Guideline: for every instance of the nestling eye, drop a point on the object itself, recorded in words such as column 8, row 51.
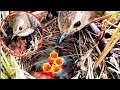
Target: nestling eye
column 77, row 24
column 20, row 28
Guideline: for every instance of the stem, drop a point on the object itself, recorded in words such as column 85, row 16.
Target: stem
column 111, row 42
column 4, row 57
column 12, row 58
column 4, row 76
column 102, row 56
column 6, row 67
column 112, row 38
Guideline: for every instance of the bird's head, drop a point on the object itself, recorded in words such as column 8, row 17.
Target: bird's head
column 70, row 22
column 21, row 25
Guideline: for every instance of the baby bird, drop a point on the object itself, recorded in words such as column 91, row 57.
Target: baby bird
column 22, row 24
column 70, row 22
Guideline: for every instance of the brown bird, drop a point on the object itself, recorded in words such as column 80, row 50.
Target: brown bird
column 70, row 22
column 23, row 24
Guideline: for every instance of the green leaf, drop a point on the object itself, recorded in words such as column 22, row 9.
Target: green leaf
column 4, row 76
column 12, row 58
column 6, row 67
column 3, row 69
column 4, row 57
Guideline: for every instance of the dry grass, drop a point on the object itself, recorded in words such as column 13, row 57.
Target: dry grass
column 81, row 47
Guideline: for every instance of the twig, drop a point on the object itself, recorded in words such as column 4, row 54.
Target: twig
column 72, row 55
column 112, row 24
column 114, row 70
column 111, row 73
column 105, row 51
column 84, row 38
column 49, row 22
column 76, row 76
column 76, row 50
column 28, row 75
column 111, row 64
column 90, row 74
column 101, row 72
column 101, row 18
column 80, row 45
column 92, row 67
column 94, row 43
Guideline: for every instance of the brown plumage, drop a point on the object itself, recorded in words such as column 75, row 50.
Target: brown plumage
column 21, row 24
column 67, row 20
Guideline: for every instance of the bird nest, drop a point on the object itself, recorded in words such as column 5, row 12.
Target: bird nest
column 79, row 47
column 74, row 47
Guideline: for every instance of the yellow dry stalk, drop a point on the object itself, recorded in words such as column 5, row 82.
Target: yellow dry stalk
column 113, row 40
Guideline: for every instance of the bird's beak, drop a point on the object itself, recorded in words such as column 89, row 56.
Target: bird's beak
column 63, row 36
column 14, row 35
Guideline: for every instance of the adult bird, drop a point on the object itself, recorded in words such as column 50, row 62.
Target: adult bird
column 70, row 22
column 23, row 24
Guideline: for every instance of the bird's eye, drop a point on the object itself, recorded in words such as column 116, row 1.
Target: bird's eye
column 77, row 24
column 20, row 28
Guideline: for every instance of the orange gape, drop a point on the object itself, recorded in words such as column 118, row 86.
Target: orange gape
column 56, row 69
column 51, row 70
column 47, row 67
column 59, row 61
column 55, row 64
column 54, row 54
